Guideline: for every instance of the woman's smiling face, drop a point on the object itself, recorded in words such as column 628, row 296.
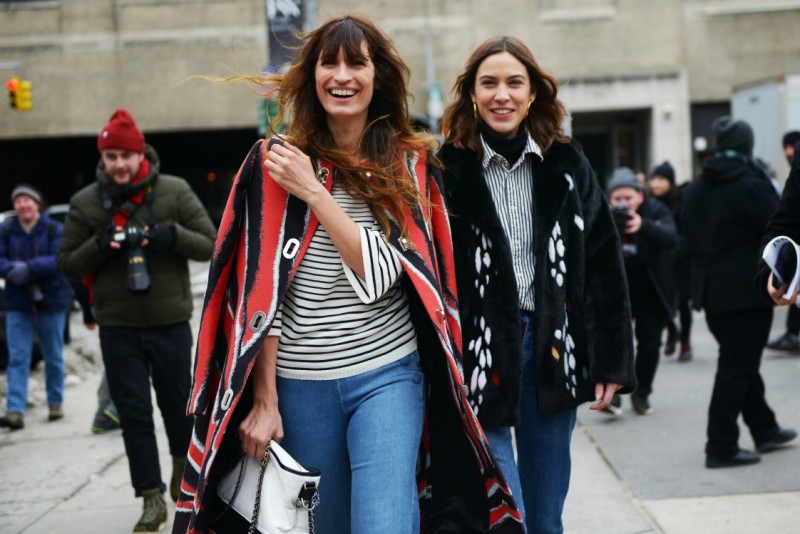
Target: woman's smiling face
column 502, row 94
column 345, row 86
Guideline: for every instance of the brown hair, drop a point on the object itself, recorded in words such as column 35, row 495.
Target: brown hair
column 543, row 122
column 388, row 133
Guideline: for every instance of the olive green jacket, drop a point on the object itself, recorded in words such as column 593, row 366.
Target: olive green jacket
column 172, row 202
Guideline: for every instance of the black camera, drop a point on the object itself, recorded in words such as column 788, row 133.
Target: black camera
column 131, row 240
column 621, row 215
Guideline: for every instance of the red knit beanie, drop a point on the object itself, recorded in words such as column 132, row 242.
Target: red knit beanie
column 121, row 133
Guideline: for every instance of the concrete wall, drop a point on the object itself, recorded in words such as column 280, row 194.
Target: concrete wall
column 86, row 57
column 727, row 43
column 664, row 94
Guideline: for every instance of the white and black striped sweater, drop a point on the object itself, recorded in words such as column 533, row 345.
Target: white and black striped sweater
column 332, row 323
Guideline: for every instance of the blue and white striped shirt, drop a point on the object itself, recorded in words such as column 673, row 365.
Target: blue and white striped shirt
column 512, row 193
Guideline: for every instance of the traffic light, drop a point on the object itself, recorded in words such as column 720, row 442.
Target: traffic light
column 20, row 93
column 13, row 86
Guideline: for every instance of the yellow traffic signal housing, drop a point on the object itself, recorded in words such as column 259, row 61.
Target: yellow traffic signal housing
column 25, row 95
column 20, row 93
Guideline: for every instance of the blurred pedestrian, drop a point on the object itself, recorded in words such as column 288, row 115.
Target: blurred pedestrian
column 357, row 303
column 724, row 214
column 641, row 177
column 37, row 299
column 789, row 340
column 785, row 221
column 130, row 235
column 541, row 283
column 663, row 188
column 106, row 417
column 649, row 239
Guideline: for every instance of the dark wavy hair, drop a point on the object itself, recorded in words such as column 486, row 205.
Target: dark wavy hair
column 388, row 134
column 543, row 122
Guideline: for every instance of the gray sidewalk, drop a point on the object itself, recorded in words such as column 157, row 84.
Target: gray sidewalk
column 654, row 465
column 631, row 474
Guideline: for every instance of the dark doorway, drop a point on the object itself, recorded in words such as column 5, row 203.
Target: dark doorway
column 596, row 148
column 208, row 160
column 614, row 139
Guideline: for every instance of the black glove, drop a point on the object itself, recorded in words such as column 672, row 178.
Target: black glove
column 104, row 239
column 161, row 238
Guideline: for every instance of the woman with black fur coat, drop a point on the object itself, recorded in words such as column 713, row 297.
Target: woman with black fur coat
column 542, row 294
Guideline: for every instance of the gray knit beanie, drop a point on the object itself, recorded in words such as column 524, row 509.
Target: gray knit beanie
column 623, row 177
column 27, row 190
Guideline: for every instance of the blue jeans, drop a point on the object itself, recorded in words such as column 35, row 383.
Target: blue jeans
column 20, row 327
column 543, row 451
column 363, row 433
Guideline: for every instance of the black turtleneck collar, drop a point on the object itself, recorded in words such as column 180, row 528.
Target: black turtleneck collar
column 511, row 149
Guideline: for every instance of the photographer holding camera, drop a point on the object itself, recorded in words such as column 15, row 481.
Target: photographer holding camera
column 129, row 236
column 649, row 239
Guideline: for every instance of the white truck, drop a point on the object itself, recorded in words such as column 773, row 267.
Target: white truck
column 772, row 107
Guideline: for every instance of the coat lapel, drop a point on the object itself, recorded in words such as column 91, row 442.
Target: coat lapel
column 419, row 258
column 467, row 193
column 551, row 187
column 262, row 240
column 278, row 229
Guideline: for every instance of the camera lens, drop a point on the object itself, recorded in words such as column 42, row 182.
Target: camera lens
column 138, row 279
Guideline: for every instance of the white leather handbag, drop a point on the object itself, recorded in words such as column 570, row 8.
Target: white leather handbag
column 277, row 494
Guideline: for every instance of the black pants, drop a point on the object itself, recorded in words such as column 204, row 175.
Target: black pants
column 738, row 387
column 685, row 315
column 131, row 355
column 684, row 330
column 684, row 297
column 793, row 320
column 650, row 319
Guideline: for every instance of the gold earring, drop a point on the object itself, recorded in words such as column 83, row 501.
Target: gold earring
column 529, row 107
column 475, row 111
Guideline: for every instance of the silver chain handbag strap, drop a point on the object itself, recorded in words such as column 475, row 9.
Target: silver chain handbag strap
column 309, row 504
column 257, row 505
column 309, row 499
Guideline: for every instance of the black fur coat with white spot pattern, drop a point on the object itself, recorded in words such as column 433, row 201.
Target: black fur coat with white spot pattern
column 582, row 329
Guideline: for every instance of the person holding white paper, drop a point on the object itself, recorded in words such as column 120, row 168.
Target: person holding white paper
column 725, row 211
column 785, row 222
column 789, row 341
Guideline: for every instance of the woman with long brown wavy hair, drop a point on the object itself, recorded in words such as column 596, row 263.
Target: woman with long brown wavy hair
column 332, row 290
column 541, row 283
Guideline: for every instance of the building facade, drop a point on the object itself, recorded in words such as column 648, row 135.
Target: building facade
column 641, row 80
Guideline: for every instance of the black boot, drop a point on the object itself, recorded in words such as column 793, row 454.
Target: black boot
column 12, row 421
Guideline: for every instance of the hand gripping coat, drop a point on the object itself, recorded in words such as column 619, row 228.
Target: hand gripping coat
column 262, row 238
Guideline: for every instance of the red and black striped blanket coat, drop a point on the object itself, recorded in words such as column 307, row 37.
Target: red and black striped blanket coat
column 262, row 238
